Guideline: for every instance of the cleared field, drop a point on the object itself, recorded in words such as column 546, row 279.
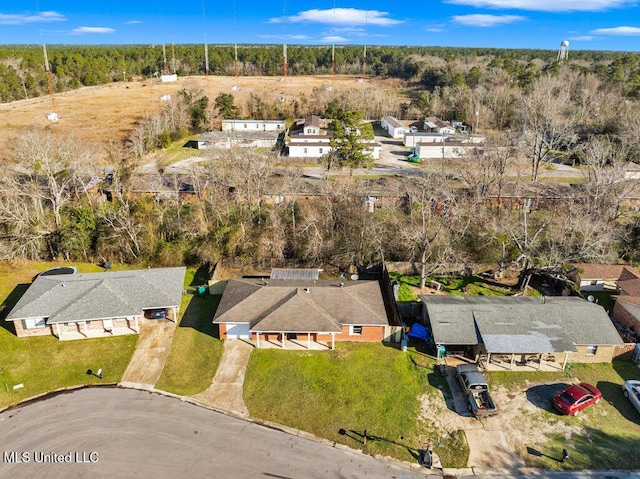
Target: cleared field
column 98, row 115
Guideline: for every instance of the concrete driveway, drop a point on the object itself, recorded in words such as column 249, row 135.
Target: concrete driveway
column 150, row 355
column 225, row 392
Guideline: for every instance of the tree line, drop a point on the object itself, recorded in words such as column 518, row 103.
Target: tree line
column 22, row 73
column 247, row 208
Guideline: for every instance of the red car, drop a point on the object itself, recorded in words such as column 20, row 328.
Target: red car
column 575, row 398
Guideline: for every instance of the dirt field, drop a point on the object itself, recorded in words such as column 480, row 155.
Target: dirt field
column 101, row 114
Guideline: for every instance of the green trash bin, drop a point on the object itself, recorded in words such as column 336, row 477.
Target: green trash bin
column 202, row 290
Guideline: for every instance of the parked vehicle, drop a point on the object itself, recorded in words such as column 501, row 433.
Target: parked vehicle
column 631, row 390
column 475, row 386
column 413, row 129
column 155, row 313
column 575, row 398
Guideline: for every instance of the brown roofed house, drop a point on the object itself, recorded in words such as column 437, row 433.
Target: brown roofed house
column 312, row 314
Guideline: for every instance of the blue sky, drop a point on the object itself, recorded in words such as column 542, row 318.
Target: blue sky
column 586, row 24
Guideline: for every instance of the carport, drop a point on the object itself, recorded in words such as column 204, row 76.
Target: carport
column 522, row 333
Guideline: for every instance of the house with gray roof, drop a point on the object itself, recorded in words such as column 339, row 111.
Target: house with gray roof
column 90, row 305
column 394, row 127
column 519, row 329
column 309, row 313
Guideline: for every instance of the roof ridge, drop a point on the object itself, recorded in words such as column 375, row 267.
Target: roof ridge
column 100, row 282
column 357, row 298
column 318, row 307
column 150, row 283
column 275, row 306
column 75, row 300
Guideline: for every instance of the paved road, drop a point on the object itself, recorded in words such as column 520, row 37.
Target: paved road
column 142, row 434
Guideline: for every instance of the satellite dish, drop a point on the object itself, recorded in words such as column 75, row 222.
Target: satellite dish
column 355, row 277
column 591, row 299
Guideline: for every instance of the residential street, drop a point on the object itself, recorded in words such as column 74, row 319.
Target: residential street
column 130, row 433
column 142, row 434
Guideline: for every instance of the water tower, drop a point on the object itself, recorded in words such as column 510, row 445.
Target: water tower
column 563, row 53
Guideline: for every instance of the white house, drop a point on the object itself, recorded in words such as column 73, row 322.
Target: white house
column 311, row 125
column 412, row 139
column 252, row 125
column 229, row 139
column 309, row 146
column 394, row 127
column 446, row 149
column 433, row 124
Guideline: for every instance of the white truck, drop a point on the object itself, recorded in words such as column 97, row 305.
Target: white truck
column 475, row 387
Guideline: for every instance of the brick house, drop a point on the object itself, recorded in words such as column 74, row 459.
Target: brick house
column 92, row 305
column 303, row 311
column 601, row 277
column 626, row 309
column 522, row 328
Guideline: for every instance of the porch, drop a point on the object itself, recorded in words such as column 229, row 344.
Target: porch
column 292, row 341
column 94, row 333
column 97, row 328
column 512, row 362
column 524, row 362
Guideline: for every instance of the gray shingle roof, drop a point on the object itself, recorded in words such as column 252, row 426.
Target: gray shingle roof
column 295, row 273
column 79, row 297
column 301, row 305
column 518, row 324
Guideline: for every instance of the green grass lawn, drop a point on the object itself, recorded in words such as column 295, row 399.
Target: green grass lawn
column 452, row 284
column 610, row 434
column 43, row 363
column 195, row 352
column 338, row 394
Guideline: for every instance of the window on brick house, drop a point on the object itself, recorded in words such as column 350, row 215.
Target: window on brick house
column 34, row 323
column 355, row 330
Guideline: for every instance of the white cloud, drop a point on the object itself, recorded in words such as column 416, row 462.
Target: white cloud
column 81, row 30
column 346, row 30
column 341, row 16
column 285, row 37
column 547, row 5
column 132, row 22
column 619, row 31
column 41, row 17
column 334, row 39
column 436, row 28
column 483, row 20
column 582, row 38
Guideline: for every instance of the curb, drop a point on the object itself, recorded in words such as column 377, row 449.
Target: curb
column 410, row 466
column 56, row 392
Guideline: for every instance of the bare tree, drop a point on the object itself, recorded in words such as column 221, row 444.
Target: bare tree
column 429, row 225
column 605, row 183
column 58, row 166
column 487, row 170
column 547, row 117
column 25, row 223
